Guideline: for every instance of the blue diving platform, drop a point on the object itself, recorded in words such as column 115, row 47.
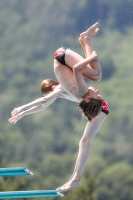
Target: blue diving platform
column 16, row 171
column 29, row 194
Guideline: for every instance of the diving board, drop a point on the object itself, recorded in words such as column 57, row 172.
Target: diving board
column 16, row 171
column 22, row 171
column 29, row 194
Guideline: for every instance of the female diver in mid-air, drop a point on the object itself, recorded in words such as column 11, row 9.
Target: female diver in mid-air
column 70, row 69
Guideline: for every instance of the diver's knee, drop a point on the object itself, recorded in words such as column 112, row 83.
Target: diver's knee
column 84, row 142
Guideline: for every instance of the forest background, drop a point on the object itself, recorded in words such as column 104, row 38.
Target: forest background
column 47, row 142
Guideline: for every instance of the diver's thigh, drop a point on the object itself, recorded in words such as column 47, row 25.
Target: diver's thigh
column 72, row 58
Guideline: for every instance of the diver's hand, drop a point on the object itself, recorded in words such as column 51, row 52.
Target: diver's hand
column 15, row 111
column 15, row 118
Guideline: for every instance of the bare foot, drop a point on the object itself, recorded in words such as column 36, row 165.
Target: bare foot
column 69, row 186
column 81, row 41
column 90, row 33
column 82, row 44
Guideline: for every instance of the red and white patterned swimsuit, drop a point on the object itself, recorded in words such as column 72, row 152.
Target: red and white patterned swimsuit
column 105, row 107
column 59, row 55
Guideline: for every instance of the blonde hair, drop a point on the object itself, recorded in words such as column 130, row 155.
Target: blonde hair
column 91, row 109
column 46, row 85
